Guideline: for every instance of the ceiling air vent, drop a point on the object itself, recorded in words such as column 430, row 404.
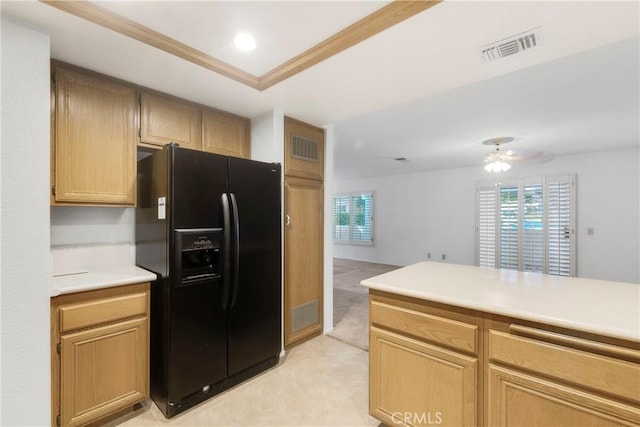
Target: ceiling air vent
column 512, row 45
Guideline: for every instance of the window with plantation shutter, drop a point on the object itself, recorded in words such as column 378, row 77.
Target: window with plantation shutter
column 560, row 226
column 508, row 232
column 527, row 225
column 341, row 218
column 532, row 228
column 353, row 219
column 486, row 226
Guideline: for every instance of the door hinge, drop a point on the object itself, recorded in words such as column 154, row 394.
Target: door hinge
column 58, row 420
column 53, row 190
column 59, row 348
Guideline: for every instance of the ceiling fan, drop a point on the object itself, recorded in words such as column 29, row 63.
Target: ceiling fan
column 500, row 161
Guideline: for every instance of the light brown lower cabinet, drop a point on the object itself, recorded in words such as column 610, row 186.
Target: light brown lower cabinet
column 424, row 364
column 403, row 391
column 431, row 364
column 100, row 353
column 536, row 379
column 520, row 399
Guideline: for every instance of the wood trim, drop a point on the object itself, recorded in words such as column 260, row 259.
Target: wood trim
column 576, row 343
column 105, row 18
column 369, row 26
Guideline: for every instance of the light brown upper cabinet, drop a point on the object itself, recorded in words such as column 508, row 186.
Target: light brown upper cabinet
column 94, row 140
column 164, row 120
column 224, row 133
column 303, row 150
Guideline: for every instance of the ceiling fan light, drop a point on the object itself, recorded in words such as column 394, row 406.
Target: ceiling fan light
column 497, row 166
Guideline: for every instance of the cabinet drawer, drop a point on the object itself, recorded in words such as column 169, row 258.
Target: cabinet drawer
column 605, row 374
column 92, row 313
column 440, row 330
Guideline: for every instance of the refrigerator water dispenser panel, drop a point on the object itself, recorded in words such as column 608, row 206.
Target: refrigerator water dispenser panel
column 198, row 254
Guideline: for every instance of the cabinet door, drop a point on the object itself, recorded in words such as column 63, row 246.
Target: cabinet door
column 95, row 140
column 226, row 134
column 103, row 370
column 517, row 399
column 413, row 383
column 303, row 263
column 164, row 120
column 303, row 150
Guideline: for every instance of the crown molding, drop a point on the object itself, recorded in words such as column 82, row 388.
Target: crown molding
column 382, row 19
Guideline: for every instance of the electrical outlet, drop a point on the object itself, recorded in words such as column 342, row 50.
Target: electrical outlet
column 444, row 256
column 590, row 231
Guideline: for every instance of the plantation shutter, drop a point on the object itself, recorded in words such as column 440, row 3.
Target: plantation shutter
column 353, row 219
column 527, row 225
column 361, row 218
column 341, row 218
column 509, row 227
column 486, row 226
column 560, row 235
column 532, row 227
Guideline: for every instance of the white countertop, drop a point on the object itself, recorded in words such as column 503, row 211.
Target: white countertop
column 601, row 307
column 103, row 277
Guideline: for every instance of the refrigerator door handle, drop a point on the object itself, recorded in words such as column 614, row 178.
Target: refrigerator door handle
column 226, row 248
column 236, row 248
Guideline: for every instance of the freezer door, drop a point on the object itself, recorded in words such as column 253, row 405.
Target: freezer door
column 198, row 181
column 197, row 321
column 254, row 313
column 198, row 338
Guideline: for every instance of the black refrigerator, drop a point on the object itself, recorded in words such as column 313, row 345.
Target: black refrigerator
column 209, row 226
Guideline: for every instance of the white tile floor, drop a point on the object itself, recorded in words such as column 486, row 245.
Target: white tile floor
column 322, row 382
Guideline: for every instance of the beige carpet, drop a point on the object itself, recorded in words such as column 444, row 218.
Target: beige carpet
column 350, row 300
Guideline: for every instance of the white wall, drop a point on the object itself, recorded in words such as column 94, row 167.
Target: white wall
column 24, row 224
column 76, row 225
column 328, row 232
column 434, row 212
column 267, row 137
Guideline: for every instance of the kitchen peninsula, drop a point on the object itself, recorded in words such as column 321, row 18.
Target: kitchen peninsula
column 463, row 345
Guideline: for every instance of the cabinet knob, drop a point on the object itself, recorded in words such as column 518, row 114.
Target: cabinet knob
column 287, row 220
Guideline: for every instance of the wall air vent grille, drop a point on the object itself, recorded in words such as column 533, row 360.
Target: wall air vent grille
column 304, row 315
column 512, row 45
column 304, row 149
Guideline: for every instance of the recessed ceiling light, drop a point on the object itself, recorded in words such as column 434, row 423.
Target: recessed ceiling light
column 244, row 42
